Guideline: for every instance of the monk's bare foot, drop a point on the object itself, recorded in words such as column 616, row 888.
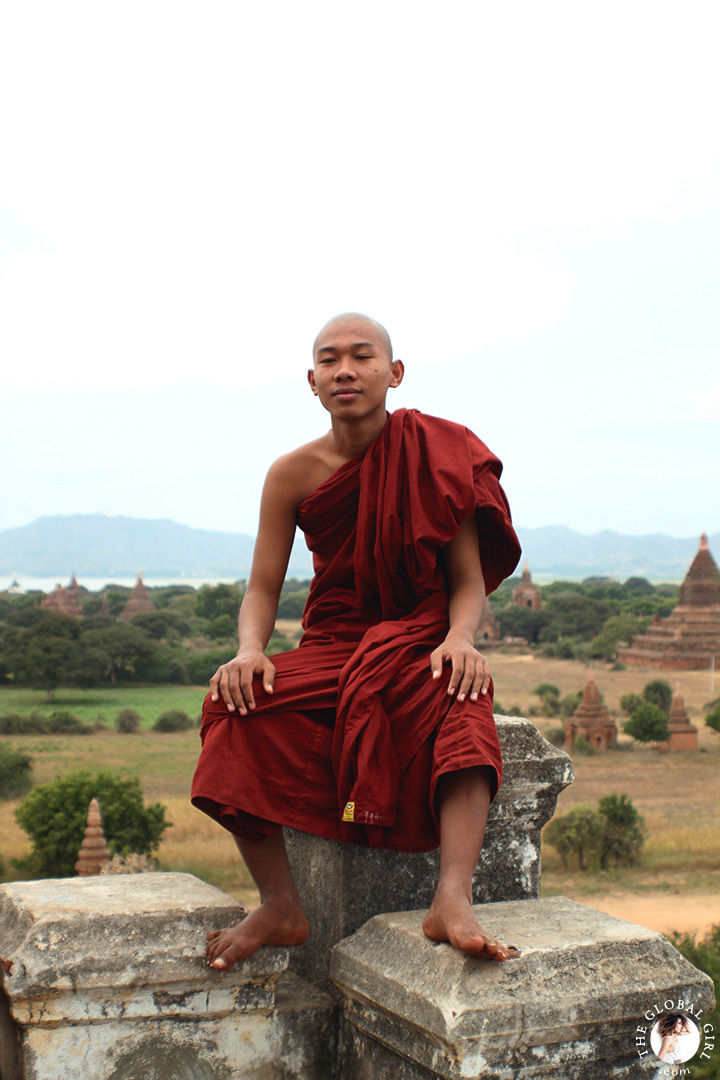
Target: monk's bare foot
column 451, row 918
column 276, row 922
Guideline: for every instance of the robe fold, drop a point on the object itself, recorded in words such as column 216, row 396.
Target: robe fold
column 352, row 742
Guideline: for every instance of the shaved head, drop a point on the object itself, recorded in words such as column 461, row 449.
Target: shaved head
column 354, row 317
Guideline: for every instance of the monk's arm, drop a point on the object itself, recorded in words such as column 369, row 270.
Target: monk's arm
column 466, row 586
column 276, row 531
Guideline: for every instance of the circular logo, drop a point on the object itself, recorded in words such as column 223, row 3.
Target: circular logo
column 675, row 1038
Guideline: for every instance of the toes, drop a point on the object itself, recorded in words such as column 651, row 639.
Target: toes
column 213, row 934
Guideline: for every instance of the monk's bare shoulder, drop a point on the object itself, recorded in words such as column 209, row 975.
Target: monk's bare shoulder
column 295, row 475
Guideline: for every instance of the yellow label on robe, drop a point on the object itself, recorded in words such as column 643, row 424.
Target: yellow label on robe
column 349, row 812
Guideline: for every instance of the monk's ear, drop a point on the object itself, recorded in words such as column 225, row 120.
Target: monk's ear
column 311, row 380
column 397, row 369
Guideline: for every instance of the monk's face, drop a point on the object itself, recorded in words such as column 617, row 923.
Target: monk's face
column 353, row 370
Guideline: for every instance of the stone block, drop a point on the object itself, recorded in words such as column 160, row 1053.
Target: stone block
column 567, row 1008
column 343, row 885
column 107, row 981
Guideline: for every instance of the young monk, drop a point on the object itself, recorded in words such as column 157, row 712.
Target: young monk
column 356, row 735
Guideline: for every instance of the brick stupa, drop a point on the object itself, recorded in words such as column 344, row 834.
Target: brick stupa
column 683, row 733
column 488, row 632
column 591, row 720
column 139, row 602
column 94, row 854
column 65, row 601
column 689, row 638
column 526, row 594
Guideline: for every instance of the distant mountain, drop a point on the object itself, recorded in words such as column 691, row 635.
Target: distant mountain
column 97, row 545
column 556, row 551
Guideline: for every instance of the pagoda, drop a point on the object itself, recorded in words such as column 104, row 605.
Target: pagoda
column 488, row 632
column 591, row 720
column 683, row 734
column 526, row 594
column 139, row 602
column 689, row 638
column 65, row 601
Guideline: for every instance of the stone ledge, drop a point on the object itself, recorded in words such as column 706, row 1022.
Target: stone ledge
column 86, row 947
column 109, row 982
column 568, row 1006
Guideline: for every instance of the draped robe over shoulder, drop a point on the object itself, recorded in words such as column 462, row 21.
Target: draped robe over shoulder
column 352, row 742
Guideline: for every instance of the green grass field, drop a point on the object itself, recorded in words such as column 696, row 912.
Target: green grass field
column 104, row 703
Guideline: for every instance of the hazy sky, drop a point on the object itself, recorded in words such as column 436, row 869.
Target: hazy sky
column 526, row 194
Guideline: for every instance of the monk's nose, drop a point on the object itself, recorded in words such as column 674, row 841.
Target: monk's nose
column 345, row 372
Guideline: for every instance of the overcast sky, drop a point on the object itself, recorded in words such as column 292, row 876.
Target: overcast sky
column 526, row 194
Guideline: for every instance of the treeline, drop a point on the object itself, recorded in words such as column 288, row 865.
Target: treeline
column 584, row 620
column 190, row 634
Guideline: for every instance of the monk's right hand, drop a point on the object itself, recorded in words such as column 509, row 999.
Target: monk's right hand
column 233, row 681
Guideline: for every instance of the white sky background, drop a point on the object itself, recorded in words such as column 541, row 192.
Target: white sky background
column 525, row 194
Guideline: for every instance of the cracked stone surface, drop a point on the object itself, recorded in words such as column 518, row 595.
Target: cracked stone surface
column 567, row 1007
column 108, row 981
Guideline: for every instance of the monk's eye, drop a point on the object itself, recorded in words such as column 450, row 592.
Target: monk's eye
column 362, row 356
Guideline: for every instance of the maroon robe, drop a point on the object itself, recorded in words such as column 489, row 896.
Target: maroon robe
column 353, row 740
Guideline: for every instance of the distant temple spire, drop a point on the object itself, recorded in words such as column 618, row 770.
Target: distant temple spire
column 591, row 719
column 689, row 638
column 139, row 602
column 526, row 594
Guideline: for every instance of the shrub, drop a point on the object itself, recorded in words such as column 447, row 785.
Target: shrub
column 648, row 724
column 623, row 831
column 59, row 723
column 15, row 773
column 127, row 721
column 658, row 692
column 630, row 702
column 579, row 832
column 173, row 720
column 54, row 816
column 712, row 720
column 556, row 736
column 569, row 704
column 615, row 831
column 65, row 723
column 549, row 695
column 582, row 746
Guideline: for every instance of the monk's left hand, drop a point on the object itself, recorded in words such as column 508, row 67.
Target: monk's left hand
column 470, row 673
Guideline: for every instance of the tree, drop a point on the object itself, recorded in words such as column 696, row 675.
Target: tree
column 54, row 816
column 648, row 724
column 571, row 614
column 549, row 695
column 125, row 648
column 46, row 654
column 579, row 832
column 658, row 692
column 712, row 720
column 630, row 702
column 517, row 621
column 214, row 600
column 623, row 833
column 15, row 772
column 639, row 585
column 617, row 628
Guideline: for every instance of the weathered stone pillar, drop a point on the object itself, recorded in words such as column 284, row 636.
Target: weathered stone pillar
column 106, row 980
column 343, row 885
column 568, row 1008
